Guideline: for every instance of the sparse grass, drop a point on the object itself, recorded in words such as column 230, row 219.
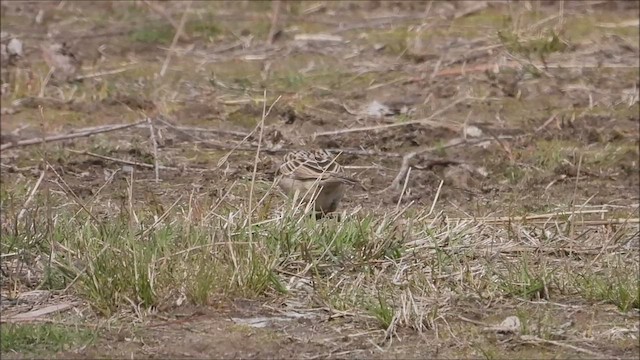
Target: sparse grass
column 523, row 280
column 394, row 40
column 382, row 311
column 203, row 28
column 154, row 33
column 214, row 256
column 618, row 285
column 580, row 28
column 42, row 338
column 539, row 48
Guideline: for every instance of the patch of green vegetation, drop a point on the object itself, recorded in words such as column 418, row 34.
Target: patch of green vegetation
column 129, row 11
column 203, row 157
column 495, row 18
column 620, row 112
column 382, row 311
column 394, row 40
column 293, row 81
column 202, row 27
column 54, row 118
column 243, row 119
column 258, row 28
column 585, row 26
column 39, row 338
column 515, row 174
column 538, row 48
column 548, row 154
column 612, row 154
column 226, row 72
column 618, row 285
column 154, row 33
column 517, row 112
column 525, row 280
column 487, row 351
column 440, row 148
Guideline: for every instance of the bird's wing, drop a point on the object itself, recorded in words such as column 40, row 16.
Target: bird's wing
column 304, row 165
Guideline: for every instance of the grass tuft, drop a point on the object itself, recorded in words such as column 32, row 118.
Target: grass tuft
column 40, row 338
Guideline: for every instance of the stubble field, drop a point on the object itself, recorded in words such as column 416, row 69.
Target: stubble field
column 498, row 143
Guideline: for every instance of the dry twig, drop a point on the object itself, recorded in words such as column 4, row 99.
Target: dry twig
column 536, row 340
column 155, row 150
column 103, row 73
column 40, row 140
column 157, row 9
column 275, row 17
column 179, row 31
column 122, row 161
column 31, row 195
column 215, row 131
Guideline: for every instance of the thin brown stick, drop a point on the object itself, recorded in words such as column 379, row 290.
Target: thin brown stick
column 534, row 339
column 381, row 21
column 559, row 250
column 135, row 163
column 546, row 123
column 541, row 216
column 276, row 6
column 36, row 314
column 404, row 169
column 31, row 195
column 215, row 131
column 168, row 17
column 103, row 73
column 174, row 42
column 265, row 113
column 97, row 193
column 156, row 165
column 462, row 70
column 53, row 138
column 67, row 189
column 160, row 219
column 198, row 138
column 404, row 188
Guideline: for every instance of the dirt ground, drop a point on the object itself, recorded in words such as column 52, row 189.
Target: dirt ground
column 512, row 120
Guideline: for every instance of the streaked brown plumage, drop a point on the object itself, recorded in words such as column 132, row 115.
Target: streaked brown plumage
column 314, row 174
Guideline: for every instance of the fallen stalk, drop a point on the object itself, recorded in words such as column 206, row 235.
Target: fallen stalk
column 41, row 140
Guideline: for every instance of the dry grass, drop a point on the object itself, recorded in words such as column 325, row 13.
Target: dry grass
column 145, row 191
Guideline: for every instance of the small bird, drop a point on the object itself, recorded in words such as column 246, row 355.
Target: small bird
column 60, row 57
column 314, row 175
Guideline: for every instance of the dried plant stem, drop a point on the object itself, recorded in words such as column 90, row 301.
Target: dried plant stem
column 103, row 73
column 174, row 42
column 275, row 16
column 534, row 339
column 31, row 195
column 154, row 143
column 215, row 131
column 265, row 113
column 41, row 140
column 135, row 163
column 404, row 188
column 159, row 10
column 122, row 161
